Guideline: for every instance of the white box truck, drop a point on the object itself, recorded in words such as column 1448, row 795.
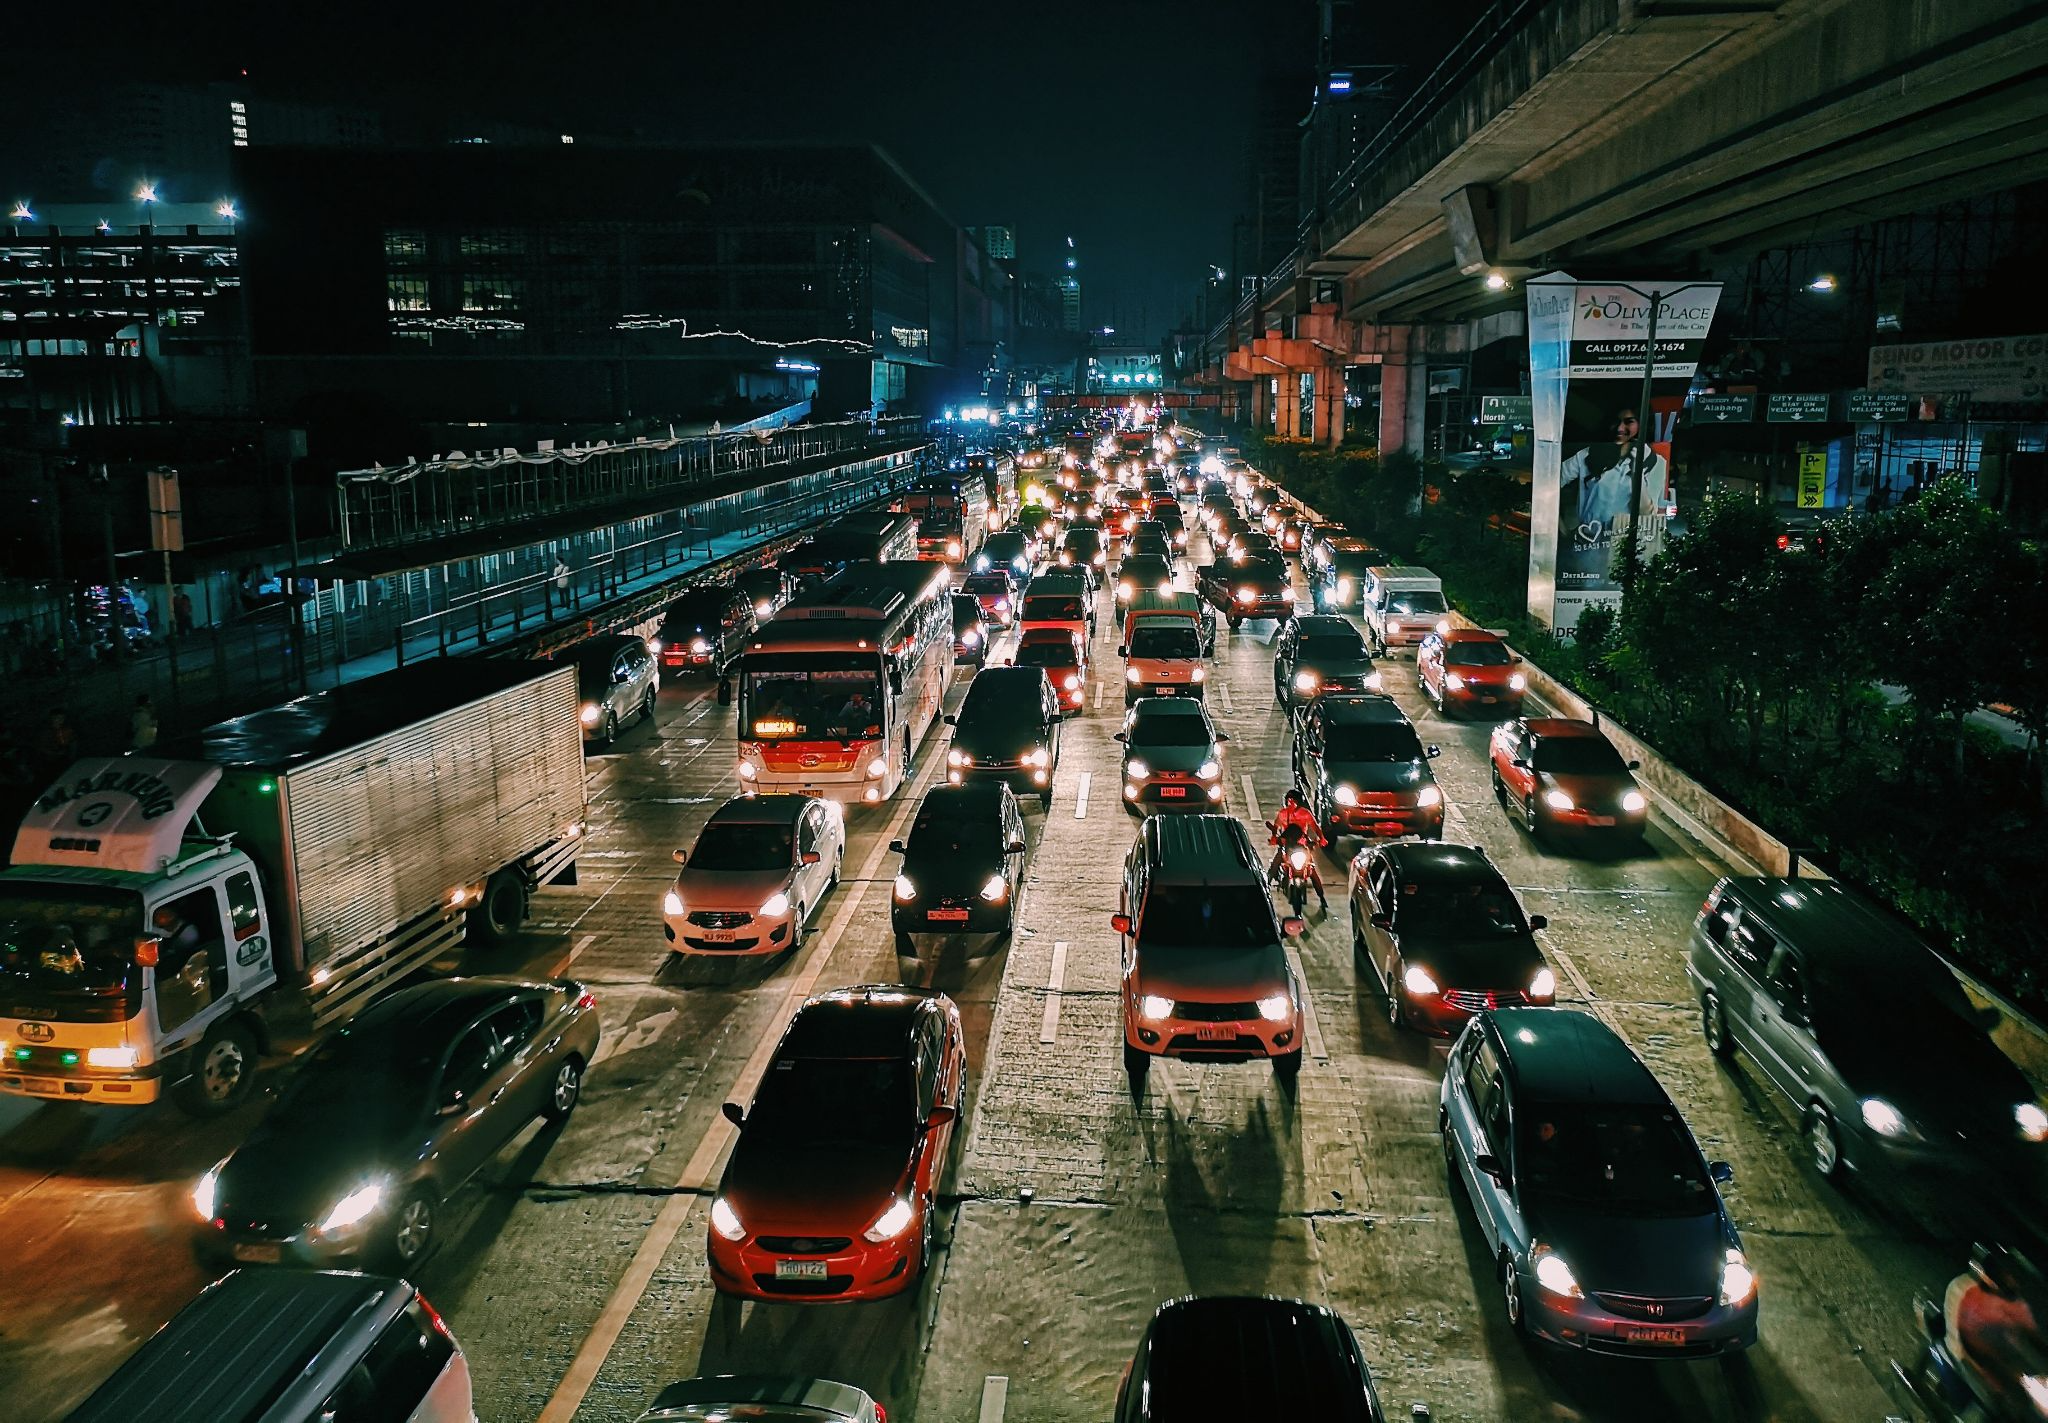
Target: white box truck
column 164, row 912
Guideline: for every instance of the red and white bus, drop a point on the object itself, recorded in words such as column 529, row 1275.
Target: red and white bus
column 838, row 689
column 952, row 514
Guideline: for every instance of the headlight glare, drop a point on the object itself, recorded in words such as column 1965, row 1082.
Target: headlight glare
column 1208, row 771
column 1557, row 800
column 1136, row 769
column 904, row 888
column 1454, row 682
column 1429, row 797
column 1634, row 803
column 1345, row 795
column 995, row 889
column 1275, row 1008
column 777, row 903
column 879, row 766
column 672, row 905
column 1305, row 681
column 2032, row 1121
column 1738, row 1281
column 1554, row 1275
column 1131, row 674
column 353, row 1208
column 1417, row 980
column 726, row 1221
column 891, row 1222
column 1154, row 1009
column 206, row 1193
column 1517, row 682
column 1885, row 1119
column 1543, row 985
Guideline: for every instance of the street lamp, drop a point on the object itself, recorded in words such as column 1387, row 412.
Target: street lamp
column 145, row 193
column 1825, row 282
column 21, row 211
column 226, row 211
column 1495, row 282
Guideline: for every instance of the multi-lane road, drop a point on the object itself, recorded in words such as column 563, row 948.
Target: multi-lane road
column 574, row 1272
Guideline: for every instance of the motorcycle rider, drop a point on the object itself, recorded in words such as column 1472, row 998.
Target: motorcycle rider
column 1994, row 1330
column 1296, row 823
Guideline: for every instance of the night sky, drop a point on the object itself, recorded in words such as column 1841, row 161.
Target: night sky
column 1126, row 123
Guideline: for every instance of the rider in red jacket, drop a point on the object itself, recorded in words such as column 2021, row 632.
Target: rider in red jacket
column 1295, row 822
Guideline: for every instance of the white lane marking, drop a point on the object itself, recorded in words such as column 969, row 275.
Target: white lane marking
column 995, row 1398
column 1223, row 696
column 1251, row 799
column 696, row 1178
column 645, row 1033
column 1049, row 1030
column 1571, row 970
column 575, row 952
column 1101, row 686
column 1312, row 1027
column 1081, row 795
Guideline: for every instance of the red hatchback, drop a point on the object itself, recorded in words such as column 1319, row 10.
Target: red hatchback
column 1469, row 669
column 1556, row 774
column 828, row 1195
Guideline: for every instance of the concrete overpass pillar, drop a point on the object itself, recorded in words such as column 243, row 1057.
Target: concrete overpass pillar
column 1330, row 405
column 1404, row 402
column 1289, row 423
column 1262, row 404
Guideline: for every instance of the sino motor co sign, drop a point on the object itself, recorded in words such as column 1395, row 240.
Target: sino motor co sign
column 1995, row 368
column 1611, row 328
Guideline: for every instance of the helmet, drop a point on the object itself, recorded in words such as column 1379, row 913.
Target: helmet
column 1294, row 797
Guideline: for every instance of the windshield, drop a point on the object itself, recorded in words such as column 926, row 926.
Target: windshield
column 806, row 1101
column 1578, row 756
column 1234, row 916
column 1083, row 541
column 1415, row 602
column 1476, row 654
column 70, row 941
column 1333, row 648
column 357, row 1083
column 1372, row 741
column 1460, row 911
column 1169, row 731
column 953, row 830
column 1145, row 568
column 743, row 847
column 1048, row 654
column 1353, row 565
column 1610, row 1156
column 994, row 583
column 1165, row 637
column 1053, row 607
column 822, row 699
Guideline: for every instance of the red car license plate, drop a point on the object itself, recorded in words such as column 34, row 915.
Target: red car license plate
column 1216, row 1032
column 1173, row 792
column 800, row 1269
column 946, row 916
column 1645, row 1335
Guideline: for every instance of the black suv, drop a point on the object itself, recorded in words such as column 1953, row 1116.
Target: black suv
column 962, row 865
column 1008, row 730
column 707, row 628
column 1246, row 1357
column 1320, row 654
column 1364, row 770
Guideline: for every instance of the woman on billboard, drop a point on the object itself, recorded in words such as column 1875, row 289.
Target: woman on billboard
column 1593, row 505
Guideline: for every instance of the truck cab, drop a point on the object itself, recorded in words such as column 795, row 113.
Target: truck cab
column 133, row 947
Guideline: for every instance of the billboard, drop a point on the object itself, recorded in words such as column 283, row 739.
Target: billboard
column 1994, row 368
column 1599, row 468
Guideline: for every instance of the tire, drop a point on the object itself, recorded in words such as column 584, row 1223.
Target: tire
column 1136, row 1063
column 1500, row 787
column 796, row 932
column 565, row 1091
column 838, row 863
column 1714, row 1027
column 1823, row 1142
column 647, row 706
column 1287, row 1066
column 1397, row 1011
column 413, row 1232
column 1529, row 814
column 610, row 735
column 223, row 1071
column 499, row 911
column 1511, row 1295
column 1297, row 897
column 1045, row 799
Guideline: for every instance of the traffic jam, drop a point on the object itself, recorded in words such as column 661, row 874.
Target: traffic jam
column 1091, row 900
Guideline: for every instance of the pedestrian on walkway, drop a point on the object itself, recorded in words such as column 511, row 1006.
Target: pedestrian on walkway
column 559, row 584
column 181, row 613
column 142, row 724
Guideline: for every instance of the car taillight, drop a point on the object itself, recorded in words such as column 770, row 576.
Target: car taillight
column 881, row 1414
column 434, row 1318
column 588, row 1000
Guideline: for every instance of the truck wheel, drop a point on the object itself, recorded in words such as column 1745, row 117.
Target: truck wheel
column 223, row 1071
column 500, row 912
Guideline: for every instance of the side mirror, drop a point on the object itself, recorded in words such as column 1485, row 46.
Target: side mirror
column 1514, row 661
column 1121, row 923
column 1221, row 737
column 1520, row 763
column 1383, row 921
column 1123, row 649
column 1292, row 927
column 1721, row 1171
column 1538, row 921
column 941, row 1116
column 896, row 847
column 812, row 857
column 1015, row 847
column 1487, row 1164
column 735, row 1113
column 453, row 1104
column 1118, row 737
column 951, row 720
column 1635, row 765
column 1433, row 751
column 1990, row 1017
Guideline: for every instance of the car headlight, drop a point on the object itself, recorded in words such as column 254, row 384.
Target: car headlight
column 1738, row 1281
column 1345, row 795
column 879, row 766
column 1453, row 681
column 1885, row 1119
column 1275, row 1008
column 959, row 758
column 672, row 905
column 776, row 903
column 904, row 888
column 2031, row 1120
column 1124, row 590
column 1429, row 797
column 1208, row 771
column 891, row 1222
column 995, row 889
column 591, row 713
column 1155, row 1009
column 726, row 1221
column 353, row 1208
column 1443, row 624
column 1131, row 674
column 1416, row 979
column 970, row 638
column 1038, row 756
column 1344, row 588
column 206, row 1193
column 1305, row 681
column 763, row 608
column 952, row 548
column 116, row 1057
column 1634, row 803
column 1517, row 682
column 1554, row 1275
column 1244, row 595
column 1100, row 559
column 1073, row 682
column 1543, row 985
column 1557, row 800
column 1136, row 769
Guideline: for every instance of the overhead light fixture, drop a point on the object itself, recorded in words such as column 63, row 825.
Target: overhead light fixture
column 1495, row 282
column 1822, row 283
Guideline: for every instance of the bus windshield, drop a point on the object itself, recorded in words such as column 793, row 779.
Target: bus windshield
column 69, row 944
column 825, row 697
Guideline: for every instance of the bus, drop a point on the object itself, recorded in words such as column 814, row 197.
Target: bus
column 998, row 473
column 952, row 513
column 837, row 690
column 888, row 537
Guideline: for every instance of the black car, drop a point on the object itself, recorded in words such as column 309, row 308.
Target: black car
column 1142, row 573
column 970, row 630
column 1245, row 1357
column 390, row 1114
column 767, row 588
column 1008, row 730
column 1083, row 547
column 962, row 865
column 1319, row 655
column 708, row 627
column 1364, row 770
column 1445, row 934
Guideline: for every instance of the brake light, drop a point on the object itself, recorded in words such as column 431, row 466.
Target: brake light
column 434, row 1318
column 1784, row 541
column 588, row 1000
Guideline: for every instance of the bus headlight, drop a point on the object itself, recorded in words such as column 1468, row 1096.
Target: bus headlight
column 879, row 766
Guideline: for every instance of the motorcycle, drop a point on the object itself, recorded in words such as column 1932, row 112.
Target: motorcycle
column 1296, row 867
column 1986, row 1357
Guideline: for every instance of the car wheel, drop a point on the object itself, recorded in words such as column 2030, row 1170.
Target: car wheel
column 1823, row 1143
column 796, row 931
column 647, row 707
column 1511, row 1293
column 1714, row 1027
column 565, row 1091
column 1500, row 787
column 1136, row 1063
column 838, row 863
column 1529, row 813
column 611, row 727
column 499, row 911
column 223, row 1071
column 1045, row 799
column 413, row 1228
column 1451, row 1172
column 1397, row 1011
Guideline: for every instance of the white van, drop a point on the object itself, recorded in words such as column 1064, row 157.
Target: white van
column 293, row 1346
column 1403, row 604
